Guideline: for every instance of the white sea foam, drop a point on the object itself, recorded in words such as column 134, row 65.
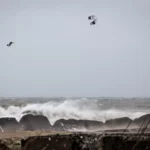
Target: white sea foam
column 75, row 109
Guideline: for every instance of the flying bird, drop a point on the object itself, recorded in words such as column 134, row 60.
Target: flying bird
column 10, row 43
column 93, row 18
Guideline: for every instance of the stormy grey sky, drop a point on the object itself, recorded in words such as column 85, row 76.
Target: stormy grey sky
column 57, row 52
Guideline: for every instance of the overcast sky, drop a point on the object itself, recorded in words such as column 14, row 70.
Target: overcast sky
column 58, row 53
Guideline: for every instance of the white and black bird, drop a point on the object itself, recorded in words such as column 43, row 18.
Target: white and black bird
column 10, row 43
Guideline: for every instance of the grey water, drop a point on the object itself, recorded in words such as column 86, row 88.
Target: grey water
column 90, row 108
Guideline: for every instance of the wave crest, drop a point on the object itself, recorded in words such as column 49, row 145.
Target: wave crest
column 75, row 109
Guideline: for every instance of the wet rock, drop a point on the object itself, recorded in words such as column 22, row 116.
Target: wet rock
column 3, row 146
column 76, row 125
column 8, row 124
column 46, row 143
column 31, row 122
column 62, row 142
column 10, row 144
column 129, row 142
column 87, row 142
column 143, row 121
column 62, row 124
column 118, row 123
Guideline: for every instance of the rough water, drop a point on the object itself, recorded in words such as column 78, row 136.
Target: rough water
column 96, row 108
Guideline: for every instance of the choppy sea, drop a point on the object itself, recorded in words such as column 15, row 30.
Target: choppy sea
column 93, row 108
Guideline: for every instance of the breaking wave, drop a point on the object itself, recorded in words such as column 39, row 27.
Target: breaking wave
column 75, row 109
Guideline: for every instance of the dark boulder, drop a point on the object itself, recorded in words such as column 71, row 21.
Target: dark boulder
column 10, row 144
column 3, row 146
column 118, row 123
column 62, row 124
column 31, row 122
column 76, row 125
column 62, row 142
column 86, row 142
column 143, row 121
column 8, row 124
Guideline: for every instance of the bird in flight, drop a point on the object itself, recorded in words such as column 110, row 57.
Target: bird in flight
column 93, row 19
column 10, row 43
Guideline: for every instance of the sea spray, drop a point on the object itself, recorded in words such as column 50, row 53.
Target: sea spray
column 83, row 108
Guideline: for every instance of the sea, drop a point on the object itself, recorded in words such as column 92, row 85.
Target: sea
column 89, row 108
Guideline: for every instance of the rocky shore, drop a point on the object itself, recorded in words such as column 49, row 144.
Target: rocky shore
column 31, row 122
column 37, row 133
